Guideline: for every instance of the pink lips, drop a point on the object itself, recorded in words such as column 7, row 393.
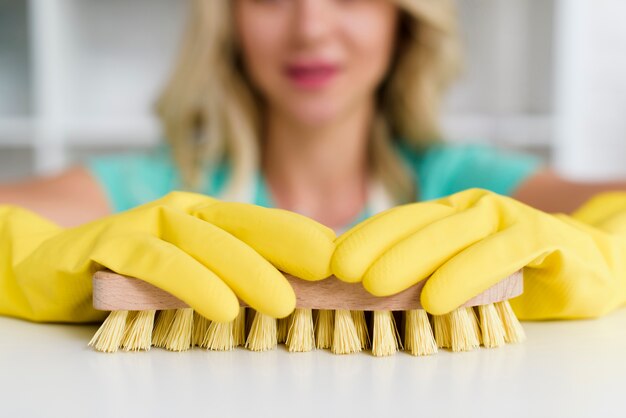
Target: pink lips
column 312, row 75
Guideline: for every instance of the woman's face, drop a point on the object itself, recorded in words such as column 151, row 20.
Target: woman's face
column 316, row 60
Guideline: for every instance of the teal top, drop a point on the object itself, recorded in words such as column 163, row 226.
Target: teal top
column 131, row 179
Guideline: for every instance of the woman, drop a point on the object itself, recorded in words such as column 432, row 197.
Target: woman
column 323, row 107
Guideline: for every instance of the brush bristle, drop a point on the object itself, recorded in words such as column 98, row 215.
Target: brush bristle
column 138, row 333
column 342, row 331
column 324, row 328
column 441, row 328
column 162, row 326
column 262, row 335
column 109, row 336
column 418, row 334
column 345, row 336
column 239, row 328
column 179, row 335
column 282, row 328
column 384, row 341
column 200, row 328
column 219, row 336
column 358, row 317
column 493, row 332
column 462, row 331
column 301, row 337
column 130, row 318
column 513, row 331
column 471, row 312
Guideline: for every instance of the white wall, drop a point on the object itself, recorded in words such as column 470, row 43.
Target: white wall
column 505, row 94
column 590, row 133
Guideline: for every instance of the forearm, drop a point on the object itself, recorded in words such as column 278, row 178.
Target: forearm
column 69, row 199
column 550, row 193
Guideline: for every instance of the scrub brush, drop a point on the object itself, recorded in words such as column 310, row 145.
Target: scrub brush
column 330, row 314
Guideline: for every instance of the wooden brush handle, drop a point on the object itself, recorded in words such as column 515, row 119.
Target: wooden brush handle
column 114, row 292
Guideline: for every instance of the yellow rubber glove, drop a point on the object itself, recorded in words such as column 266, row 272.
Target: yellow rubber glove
column 574, row 266
column 201, row 250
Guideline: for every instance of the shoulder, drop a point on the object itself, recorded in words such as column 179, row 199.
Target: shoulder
column 132, row 178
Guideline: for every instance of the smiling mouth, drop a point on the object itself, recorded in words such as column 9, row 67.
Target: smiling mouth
column 311, row 76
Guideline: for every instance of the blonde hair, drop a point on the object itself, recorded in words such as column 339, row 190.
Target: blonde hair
column 210, row 113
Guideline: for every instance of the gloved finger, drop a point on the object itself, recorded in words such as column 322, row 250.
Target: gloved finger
column 374, row 218
column 184, row 201
column 480, row 266
column 165, row 266
column 292, row 242
column 28, row 223
column 363, row 245
column 243, row 269
column 601, row 208
column 417, row 256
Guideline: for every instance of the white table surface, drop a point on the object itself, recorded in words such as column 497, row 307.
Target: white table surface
column 565, row 368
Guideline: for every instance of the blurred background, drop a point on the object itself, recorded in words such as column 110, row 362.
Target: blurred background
column 78, row 77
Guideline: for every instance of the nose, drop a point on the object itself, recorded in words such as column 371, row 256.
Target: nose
column 312, row 20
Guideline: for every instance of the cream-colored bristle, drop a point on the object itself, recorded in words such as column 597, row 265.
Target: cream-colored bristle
column 472, row 315
column 441, row 328
column 418, row 335
column 345, row 336
column 361, row 328
column 324, row 328
column 493, row 332
column 219, row 336
column 108, row 338
column 262, row 333
column 162, row 327
column 282, row 328
column 513, row 330
column 200, row 328
column 239, row 328
column 462, row 332
column 138, row 333
column 179, row 335
column 384, row 340
column 300, row 337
